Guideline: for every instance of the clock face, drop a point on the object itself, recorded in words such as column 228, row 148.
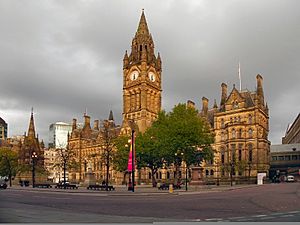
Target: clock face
column 151, row 76
column 134, row 75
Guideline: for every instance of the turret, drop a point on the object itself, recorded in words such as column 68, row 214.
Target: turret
column 204, row 106
column 158, row 62
column 87, row 122
column 74, row 124
column 215, row 106
column 223, row 96
column 190, row 104
column 111, row 116
column 125, row 60
column 259, row 88
column 96, row 124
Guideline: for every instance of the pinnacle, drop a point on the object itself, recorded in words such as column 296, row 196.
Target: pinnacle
column 143, row 27
column 110, row 117
column 31, row 129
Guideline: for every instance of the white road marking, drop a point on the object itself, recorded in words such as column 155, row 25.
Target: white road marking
column 214, row 219
column 267, row 217
column 294, row 212
column 234, row 218
column 257, row 216
column 286, row 215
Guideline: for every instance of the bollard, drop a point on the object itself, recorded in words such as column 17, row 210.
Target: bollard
column 171, row 188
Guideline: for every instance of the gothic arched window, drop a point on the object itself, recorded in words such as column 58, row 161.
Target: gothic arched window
column 233, row 133
column 240, row 133
column 222, row 123
column 250, row 149
column 250, row 133
column 250, row 119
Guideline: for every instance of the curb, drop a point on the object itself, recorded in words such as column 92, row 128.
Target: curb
column 124, row 193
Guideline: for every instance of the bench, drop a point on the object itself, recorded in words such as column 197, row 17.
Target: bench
column 100, row 187
column 166, row 186
column 42, row 186
column 66, row 186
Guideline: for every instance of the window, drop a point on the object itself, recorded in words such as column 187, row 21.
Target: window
column 250, row 152
column 206, row 173
column 222, row 123
column 160, row 175
column 250, row 133
column 250, row 119
column 222, row 136
column 168, row 175
column 274, row 158
column 222, row 158
column 240, row 133
column 294, row 157
column 280, row 158
column 287, row 157
column 240, row 154
column 233, row 133
column 211, row 172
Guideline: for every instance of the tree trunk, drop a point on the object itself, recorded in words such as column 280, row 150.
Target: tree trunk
column 64, row 174
column 9, row 176
column 153, row 172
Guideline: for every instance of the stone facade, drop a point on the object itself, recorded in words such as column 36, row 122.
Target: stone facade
column 88, row 148
column 3, row 130
column 241, row 127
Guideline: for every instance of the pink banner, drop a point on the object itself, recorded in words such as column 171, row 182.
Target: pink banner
column 129, row 166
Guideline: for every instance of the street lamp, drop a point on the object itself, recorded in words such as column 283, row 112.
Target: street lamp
column 186, row 169
column 249, row 167
column 132, row 146
column 34, row 157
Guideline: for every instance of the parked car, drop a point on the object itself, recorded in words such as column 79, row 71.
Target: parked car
column 3, row 184
column 290, row 178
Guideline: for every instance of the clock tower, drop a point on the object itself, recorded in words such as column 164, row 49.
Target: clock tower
column 141, row 80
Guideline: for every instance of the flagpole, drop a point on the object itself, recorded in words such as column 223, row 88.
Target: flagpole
column 239, row 73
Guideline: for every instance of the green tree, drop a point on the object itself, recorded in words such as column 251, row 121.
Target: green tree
column 8, row 163
column 148, row 153
column 180, row 135
column 120, row 159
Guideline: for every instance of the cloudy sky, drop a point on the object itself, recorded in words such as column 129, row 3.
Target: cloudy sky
column 64, row 56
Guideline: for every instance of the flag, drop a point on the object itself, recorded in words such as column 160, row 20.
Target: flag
column 129, row 165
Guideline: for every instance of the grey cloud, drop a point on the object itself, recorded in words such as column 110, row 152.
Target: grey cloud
column 64, row 56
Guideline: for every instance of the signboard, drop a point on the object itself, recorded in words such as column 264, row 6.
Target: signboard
column 260, row 177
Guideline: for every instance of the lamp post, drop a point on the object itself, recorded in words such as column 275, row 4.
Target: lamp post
column 249, row 167
column 33, row 157
column 133, row 166
column 186, row 169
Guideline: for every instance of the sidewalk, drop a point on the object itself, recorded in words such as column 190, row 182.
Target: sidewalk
column 139, row 190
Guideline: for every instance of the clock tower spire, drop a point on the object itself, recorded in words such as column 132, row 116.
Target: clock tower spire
column 141, row 80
